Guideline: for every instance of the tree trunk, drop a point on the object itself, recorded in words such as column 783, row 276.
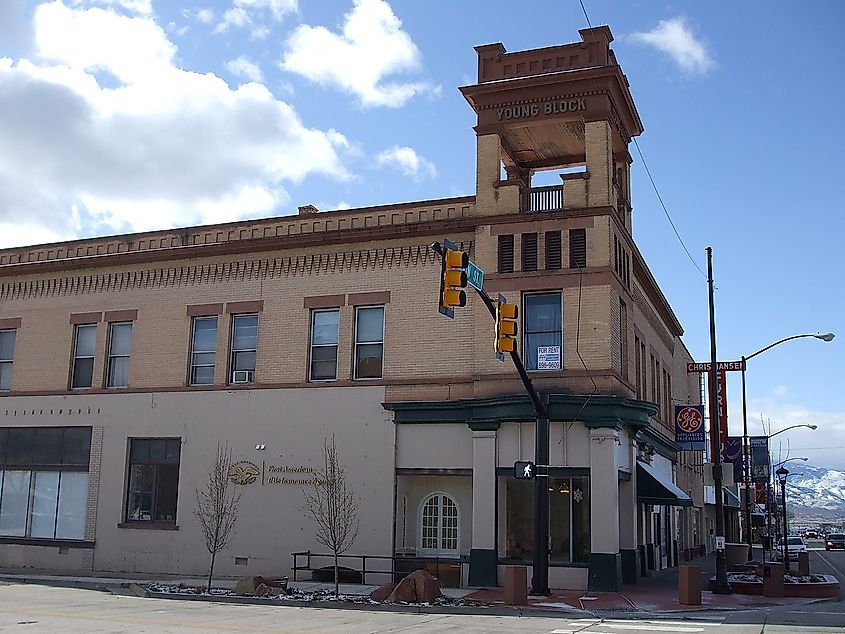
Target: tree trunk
column 211, row 571
column 336, row 581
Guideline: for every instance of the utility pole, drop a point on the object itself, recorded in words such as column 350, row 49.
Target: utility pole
column 722, row 586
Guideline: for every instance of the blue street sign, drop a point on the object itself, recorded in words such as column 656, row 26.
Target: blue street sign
column 475, row 276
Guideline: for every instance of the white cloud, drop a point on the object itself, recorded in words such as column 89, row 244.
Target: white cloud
column 675, row 38
column 371, row 47
column 102, row 132
column 251, row 14
column 408, row 161
column 140, row 7
column 206, row 15
column 245, row 68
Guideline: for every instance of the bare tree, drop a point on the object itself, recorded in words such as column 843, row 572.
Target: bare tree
column 217, row 506
column 333, row 506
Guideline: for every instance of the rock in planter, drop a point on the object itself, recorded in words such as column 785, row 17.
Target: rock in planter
column 418, row 587
column 381, row 593
column 251, row 585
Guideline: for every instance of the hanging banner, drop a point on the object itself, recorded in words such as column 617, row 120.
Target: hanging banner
column 760, row 488
column 689, row 427
column 732, row 454
column 760, row 467
column 722, row 409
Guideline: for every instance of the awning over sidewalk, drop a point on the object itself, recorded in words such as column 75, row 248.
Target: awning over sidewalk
column 655, row 488
column 731, row 500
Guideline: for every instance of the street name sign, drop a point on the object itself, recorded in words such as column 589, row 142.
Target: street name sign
column 724, row 366
column 475, row 276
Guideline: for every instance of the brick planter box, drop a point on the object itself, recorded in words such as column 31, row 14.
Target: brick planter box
column 817, row 590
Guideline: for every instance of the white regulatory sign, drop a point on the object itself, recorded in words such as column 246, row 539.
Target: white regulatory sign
column 720, row 543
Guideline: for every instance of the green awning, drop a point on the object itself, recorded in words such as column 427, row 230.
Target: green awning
column 655, row 488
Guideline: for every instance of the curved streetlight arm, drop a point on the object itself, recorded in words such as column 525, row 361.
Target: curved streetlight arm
column 813, row 427
column 828, row 336
column 783, row 462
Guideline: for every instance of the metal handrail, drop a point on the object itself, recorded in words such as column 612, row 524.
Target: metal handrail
column 461, row 561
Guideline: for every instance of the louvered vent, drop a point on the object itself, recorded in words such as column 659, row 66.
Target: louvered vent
column 529, row 251
column 553, row 259
column 506, row 254
column 577, row 248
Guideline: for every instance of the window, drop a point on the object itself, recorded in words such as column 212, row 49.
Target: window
column 203, row 350
column 529, row 251
column 120, row 345
column 506, row 254
column 637, row 368
column 244, row 345
column 44, row 481
column 369, row 342
column 543, row 325
column 553, row 259
column 623, row 338
column 153, row 479
column 569, row 519
column 325, row 327
column 84, row 344
column 439, row 525
column 7, row 356
column 577, row 248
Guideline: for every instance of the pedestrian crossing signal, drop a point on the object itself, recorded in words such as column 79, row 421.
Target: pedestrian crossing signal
column 524, row 470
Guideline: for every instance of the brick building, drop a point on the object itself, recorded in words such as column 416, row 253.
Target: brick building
column 124, row 360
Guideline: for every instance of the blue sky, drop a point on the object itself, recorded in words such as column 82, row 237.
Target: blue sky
column 124, row 115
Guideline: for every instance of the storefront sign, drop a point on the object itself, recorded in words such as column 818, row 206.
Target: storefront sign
column 245, row 472
column 722, row 409
column 526, row 111
column 760, row 467
column 689, row 427
column 548, row 357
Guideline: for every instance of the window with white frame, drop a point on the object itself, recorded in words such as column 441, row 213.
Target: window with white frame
column 325, row 327
column 543, row 325
column 439, row 527
column 243, row 348
column 84, row 346
column 203, row 350
column 369, row 342
column 120, row 346
column 7, row 357
column 44, row 481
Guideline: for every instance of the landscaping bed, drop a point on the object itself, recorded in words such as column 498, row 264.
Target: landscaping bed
column 807, row 587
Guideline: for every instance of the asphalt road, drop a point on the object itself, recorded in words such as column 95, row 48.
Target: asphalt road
column 36, row 609
column 31, row 609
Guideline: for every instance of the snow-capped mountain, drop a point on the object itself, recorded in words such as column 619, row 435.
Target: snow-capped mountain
column 815, row 492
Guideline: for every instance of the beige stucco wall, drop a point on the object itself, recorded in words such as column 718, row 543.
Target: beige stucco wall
column 291, row 423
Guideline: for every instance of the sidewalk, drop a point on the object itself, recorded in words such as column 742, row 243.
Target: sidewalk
column 657, row 593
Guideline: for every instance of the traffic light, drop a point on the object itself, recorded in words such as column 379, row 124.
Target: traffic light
column 453, row 279
column 506, row 315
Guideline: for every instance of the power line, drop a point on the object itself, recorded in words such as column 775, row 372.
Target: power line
column 666, row 211
column 585, row 14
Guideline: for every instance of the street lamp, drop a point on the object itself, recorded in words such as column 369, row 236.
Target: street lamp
column 746, row 458
column 769, row 475
column 782, row 473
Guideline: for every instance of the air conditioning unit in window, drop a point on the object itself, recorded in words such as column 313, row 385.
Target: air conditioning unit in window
column 242, row 376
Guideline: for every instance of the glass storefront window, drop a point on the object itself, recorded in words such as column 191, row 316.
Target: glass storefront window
column 569, row 519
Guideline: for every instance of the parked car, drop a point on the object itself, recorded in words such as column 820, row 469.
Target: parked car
column 834, row 540
column 794, row 545
column 812, row 535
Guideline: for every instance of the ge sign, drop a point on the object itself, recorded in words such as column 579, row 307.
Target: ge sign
column 524, row 470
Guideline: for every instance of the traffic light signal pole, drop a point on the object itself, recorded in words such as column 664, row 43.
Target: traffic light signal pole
column 540, row 580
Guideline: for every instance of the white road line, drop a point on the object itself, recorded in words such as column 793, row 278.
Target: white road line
column 651, row 627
